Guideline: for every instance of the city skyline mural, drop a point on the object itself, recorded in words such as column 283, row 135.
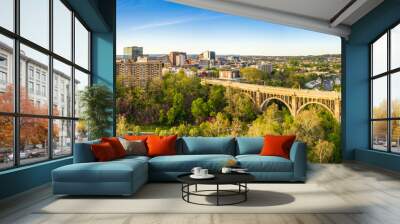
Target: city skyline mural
column 193, row 72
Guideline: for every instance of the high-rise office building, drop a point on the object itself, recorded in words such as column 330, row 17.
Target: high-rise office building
column 180, row 59
column 207, row 55
column 174, row 56
column 229, row 74
column 133, row 52
column 265, row 67
column 138, row 74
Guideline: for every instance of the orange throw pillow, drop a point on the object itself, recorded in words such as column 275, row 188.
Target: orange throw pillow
column 161, row 145
column 103, row 152
column 277, row 145
column 136, row 137
column 116, row 145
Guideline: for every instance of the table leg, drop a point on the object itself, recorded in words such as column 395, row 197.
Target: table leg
column 217, row 194
column 182, row 189
column 245, row 193
column 188, row 190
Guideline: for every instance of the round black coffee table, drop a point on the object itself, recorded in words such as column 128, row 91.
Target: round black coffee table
column 238, row 179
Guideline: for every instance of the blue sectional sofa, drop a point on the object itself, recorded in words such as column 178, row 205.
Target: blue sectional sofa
column 125, row 176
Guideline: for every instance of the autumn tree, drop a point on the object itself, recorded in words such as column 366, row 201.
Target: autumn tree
column 240, row 106
column 200, row 110
column 251, row 74
column 33, row 131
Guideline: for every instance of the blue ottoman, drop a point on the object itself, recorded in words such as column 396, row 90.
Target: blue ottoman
column 119, row 177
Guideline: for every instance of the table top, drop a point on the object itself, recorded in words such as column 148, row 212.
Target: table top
column 220, row 178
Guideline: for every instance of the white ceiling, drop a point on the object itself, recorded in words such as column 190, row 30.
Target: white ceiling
column 316, row 15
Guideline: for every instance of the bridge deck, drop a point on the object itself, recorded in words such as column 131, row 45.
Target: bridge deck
column 331, row 95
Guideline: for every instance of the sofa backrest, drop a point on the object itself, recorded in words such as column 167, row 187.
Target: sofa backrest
column 207, row 145
column 249, row 145
column 83, row 152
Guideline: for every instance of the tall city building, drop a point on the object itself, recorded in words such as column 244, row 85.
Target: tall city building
column 133, row 52
column 138, row 74
column 176, row 56
column 207, row 55
column 265, row 67
column 229, row 74
column 180, row 59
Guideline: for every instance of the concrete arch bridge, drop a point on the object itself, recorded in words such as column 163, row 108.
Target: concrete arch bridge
column 294, row 99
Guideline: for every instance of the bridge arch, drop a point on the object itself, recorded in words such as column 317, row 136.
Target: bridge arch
column 316, row 103
column 265, row 103
column 250, row 97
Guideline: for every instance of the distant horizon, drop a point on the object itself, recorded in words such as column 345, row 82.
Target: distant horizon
column 162, row 26
column 310, row 55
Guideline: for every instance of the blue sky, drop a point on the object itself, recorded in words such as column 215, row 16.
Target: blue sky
column 160, row 27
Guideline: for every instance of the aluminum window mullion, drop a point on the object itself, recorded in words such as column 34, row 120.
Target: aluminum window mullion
column 389, row 87
column 50, row 81
column 16, row 69
column 73, row 82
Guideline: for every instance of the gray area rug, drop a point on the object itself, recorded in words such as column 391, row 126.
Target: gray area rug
column 166, row 198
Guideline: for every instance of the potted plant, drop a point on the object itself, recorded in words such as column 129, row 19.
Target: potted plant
column 96, row 102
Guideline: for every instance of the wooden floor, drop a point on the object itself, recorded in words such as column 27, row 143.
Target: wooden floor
column 379, row 190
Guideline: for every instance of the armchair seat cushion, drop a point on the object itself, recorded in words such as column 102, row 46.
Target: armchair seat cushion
column 185, row 163
column 257, row 163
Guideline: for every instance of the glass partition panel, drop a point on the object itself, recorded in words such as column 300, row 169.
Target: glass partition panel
column 34, row 21
column 7, row 14
column 395, row 47
column 62, row 138
column 62, row 89
column 81, row 82
column 34, row 81
column 6, row 142
column 6, row 74
column 34, row 144
column 81, row 45
column 379, row 135
column 379, row 98
column 395, row 136
column 379, row 56
column 62, row 29
column 395, row 94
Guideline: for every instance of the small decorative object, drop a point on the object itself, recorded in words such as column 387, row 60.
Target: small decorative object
column 200, row 173
column 226, row 170
column 231, row 163
column 196, row 171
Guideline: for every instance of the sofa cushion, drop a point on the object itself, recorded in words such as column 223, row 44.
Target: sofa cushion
column 103, row 152
column 134, row 147
column 277, row 145
column 249, row 145
column 136, row 137
column 257, row 163
column 185, row 163
column 208, row 145
column 116, row 145
column 161, row 145
column 133, row 158
column 112, row 171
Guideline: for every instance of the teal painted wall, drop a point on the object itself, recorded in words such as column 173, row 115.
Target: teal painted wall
column 24, row 178
column 356, row 103
column 103, row 51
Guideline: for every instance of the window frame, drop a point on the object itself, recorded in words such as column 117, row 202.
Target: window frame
column 388, row 74
column 16, row 114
